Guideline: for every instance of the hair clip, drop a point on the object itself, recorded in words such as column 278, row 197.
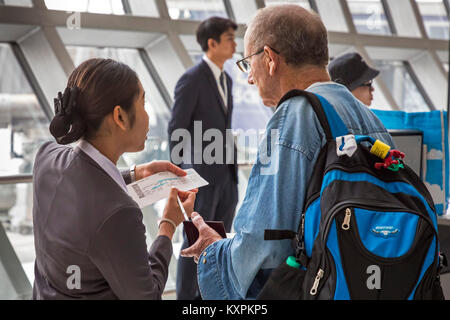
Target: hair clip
column 66, row 103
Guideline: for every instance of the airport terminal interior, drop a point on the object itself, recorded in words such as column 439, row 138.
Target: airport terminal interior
column 42, row 41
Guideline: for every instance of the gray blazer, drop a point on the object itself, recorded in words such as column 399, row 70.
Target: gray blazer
column 85, row 224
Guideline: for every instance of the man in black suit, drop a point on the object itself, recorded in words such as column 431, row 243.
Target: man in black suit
column 200, row 136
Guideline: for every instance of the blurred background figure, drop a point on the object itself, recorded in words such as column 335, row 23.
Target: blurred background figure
column 352, row 71
column 203, row 94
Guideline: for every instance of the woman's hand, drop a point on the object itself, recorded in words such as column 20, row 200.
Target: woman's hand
column 147, row 169
column 188, row 203
column 172, row 210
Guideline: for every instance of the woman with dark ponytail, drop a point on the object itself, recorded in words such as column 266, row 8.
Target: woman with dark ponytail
column 89, row 236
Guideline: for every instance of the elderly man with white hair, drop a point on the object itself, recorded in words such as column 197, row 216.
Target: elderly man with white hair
column 286, row 48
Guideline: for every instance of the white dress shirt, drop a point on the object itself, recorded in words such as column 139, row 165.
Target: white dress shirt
column 103, row 162
column 217, row 72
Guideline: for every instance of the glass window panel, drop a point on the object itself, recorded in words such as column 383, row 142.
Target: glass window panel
column 16, row 205
column 23, row 124
column 443, row 55
column 379, row 100
column 402, row 87
column 243, row 10
column 369, row 16
column 144, row 8
column 23, row 127
column 192, row 46
column 433, row 81
column 332, row 15
column 336, row 50
column 304, row 3
column 166, row 61
column 435, row 18
column 404, row 18
column 18, row 3
column 97, row 6
column 195, row 9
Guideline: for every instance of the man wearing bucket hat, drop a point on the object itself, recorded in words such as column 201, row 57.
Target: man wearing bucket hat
column 353, row 72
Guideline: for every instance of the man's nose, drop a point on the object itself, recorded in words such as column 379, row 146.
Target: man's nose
column 250, row 79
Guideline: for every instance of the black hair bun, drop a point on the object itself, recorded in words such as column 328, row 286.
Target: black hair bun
column 67, row 125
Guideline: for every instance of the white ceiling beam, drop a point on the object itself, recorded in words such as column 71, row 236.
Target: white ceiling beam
column 54, row 18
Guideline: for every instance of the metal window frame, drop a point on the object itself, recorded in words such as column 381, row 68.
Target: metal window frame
column 16, row 178
column 18, row 53
column 418, row 85
column 313, row 5
column 389, row 18
column 419, row 19
column 155, row 77
column 447, row 7
column 229, row 9
column 13, row 268
column 348, row 17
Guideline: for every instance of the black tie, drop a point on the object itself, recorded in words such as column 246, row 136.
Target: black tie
column 222, row 81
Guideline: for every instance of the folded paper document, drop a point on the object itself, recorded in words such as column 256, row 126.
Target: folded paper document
column 156, row 187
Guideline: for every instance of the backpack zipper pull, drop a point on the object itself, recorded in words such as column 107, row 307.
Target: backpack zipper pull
column 316, row 282
column 346, row 223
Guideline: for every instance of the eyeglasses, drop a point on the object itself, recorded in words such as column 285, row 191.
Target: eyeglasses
column 367, row 84
column 244, row 65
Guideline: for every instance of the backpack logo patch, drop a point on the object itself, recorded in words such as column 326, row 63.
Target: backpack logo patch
column 385, row 231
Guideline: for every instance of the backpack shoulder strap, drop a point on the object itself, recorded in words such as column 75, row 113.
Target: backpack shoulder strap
column 332, row 125
column 331, row 122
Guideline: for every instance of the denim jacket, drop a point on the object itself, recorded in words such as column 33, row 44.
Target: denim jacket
column 237, row 268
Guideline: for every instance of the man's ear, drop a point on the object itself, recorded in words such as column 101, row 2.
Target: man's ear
column 273, row 59
column 212, row 44
column 120, row 118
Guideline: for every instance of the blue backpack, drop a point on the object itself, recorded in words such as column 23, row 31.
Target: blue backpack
column 368, row 229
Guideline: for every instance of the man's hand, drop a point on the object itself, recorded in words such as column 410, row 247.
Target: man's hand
column 147, row 169
column 207, row 236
